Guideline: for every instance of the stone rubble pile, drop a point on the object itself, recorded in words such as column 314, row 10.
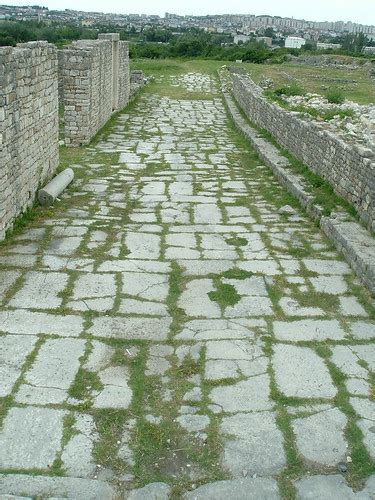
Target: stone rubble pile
column 357, row 128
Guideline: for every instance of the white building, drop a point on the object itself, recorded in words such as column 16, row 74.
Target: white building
column 369, row 50
column 323, row 46
column 240, row 38
column 294, row 42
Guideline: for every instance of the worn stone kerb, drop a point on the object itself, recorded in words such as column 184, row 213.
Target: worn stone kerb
column 344, row 166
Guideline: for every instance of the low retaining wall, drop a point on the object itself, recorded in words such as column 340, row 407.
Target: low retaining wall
column 344, row 166
column 28, row 125
column 95, row 76
column 349, row 237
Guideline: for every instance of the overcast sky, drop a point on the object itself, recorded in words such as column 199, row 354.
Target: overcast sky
column 360, row 11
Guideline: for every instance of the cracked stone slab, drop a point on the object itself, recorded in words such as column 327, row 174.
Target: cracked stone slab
column 247, row 450
column 31, row 438
column 247, row 395
column 122, row 327
column 13, row 352
column 64, row 246
column 334, row 285
column 320, row 437
column 196, row 302
column 330, row 267
column 237, row 489
column 134, row 266
column 7, row 279
column 152, row 491
column 363, row 330
column 34, row 323
column 304, row 375
column 93, row 292
column 77, row 454
column 143, row 307
column 326, row 488
column 143, row 245
column 308, row 329
column 52, row 373
column 231, row 359
column 116, row 392
column 368, row 429
column 147, row 286
column 347, row 358
column 193, row 423
column 250, row 307
column 55, row 487
column 40, row 291
column 216, row 329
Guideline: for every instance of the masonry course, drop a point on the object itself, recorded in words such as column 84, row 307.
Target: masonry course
column 28, row 125
column 343, row 166
column 89, row 79
column 350, row 238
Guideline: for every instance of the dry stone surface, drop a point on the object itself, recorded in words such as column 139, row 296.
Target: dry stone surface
column 171, row 329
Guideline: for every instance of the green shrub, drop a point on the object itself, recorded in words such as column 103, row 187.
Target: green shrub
column 290, row 90
column 335, row 96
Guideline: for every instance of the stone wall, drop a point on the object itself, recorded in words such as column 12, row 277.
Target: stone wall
column 96, row 83
column 87, row 77
column 124, row 75
column 60, row 76
column 344, row 166
column 137, row 81
column 28, row 125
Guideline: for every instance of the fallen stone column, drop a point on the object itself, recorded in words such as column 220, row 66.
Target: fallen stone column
column 51, row 191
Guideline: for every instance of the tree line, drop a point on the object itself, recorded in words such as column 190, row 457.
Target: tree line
column 161, row 43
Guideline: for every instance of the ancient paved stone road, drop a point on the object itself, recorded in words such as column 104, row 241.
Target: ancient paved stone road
column 172, row 325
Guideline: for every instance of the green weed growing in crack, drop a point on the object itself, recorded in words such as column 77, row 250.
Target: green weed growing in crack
column 176, row 286
column 237, row 274
column 7, row 402
column 225, row 295
column 110, row 424
column 362, row 465
column 294, row 466
column 84, row 383
column 236, row 241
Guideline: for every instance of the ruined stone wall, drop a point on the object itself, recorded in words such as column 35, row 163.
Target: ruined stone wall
column 28, row 125
column 60, row 76
column 123, row 75
column 95, row 75
column 87, row 77
column 137, row 81
column 344, row 166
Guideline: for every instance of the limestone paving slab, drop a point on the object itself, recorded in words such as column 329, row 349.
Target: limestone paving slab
column 320, row 437
column 52, row 373
column 55, row 487
column 30, row 438
column 123, row 327
column 13, row 352
column 236, row 489
column 247, row 450
column 304, row 375
column 40, row 291
column 34, row 323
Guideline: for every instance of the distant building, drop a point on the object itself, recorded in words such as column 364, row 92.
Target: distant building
column 368, row 50
column 294, row 42
column 240, row 38
column 323, row 46
column 266, row 39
